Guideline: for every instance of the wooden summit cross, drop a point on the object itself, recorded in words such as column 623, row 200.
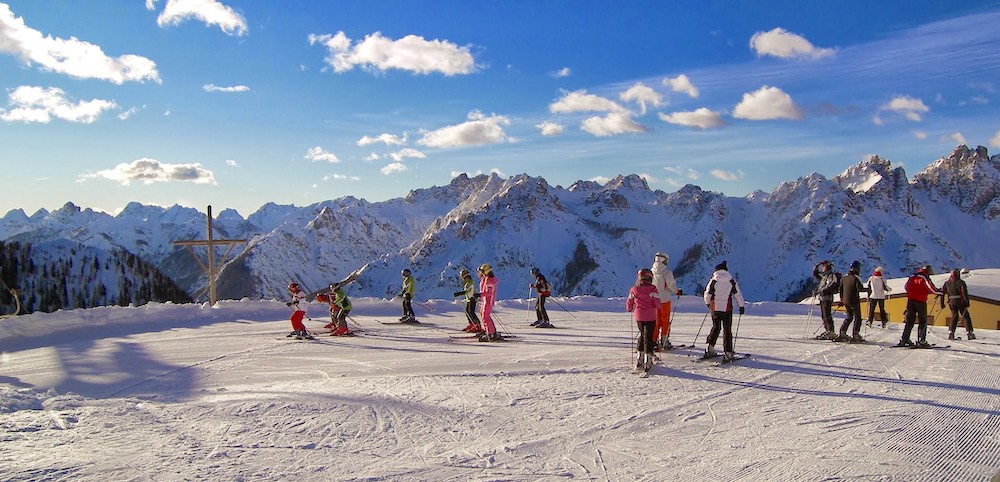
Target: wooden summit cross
column 211, row 243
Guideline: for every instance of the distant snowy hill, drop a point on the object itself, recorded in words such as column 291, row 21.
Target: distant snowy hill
column 588, row 238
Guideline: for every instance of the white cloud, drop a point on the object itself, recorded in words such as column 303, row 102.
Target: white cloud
column 683, row 172
column 231, row 163
column 37, row 104
column 387, row 139
column 411, row 53
column 581, row 101
column 920, row 135
column 681, row 83
column 958, row 138
column 600, row 179
column 909, row 107
column 480, row 129
column 784, row 44
column 209, row 11
column 72, row 57
column 394, row 168
column 767, row 103
column 317, row 154
column 405, row 153
column 372, row 157
column 701, row 118
column 131, row 111
column 995, row 140
column 612, row 124
column 563, row 72
column 549, row 129
column 149, row 171
column 340, row 177
column 642, row 95
column 726, row 175
column 217, row 88
column 648, row 178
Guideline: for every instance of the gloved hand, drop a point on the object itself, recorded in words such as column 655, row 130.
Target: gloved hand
column 288, row 304
column 680, row 292
column 476, row 296
column 742, row 310
column 458, row 293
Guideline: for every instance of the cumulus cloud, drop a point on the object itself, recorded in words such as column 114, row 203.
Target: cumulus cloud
column 549, row 129
column 910, row 108
column 36, row 104
column 387, row 139
column 395, row 167
column 72, row 57
column 681, row 83
column 210, row 12
column 231, row 163
column 612, row 124
column 218, row 88
column 407, row 153
column 726, row 175
column 581, row 101
column 786, row 45
column 563, row 72
column 600, row 179
column 642, row 95
column 682, row 172
column 701, row 118
column 340, row 177
column 149, row 171
column 372, row 157
column 995, row 141
column 317, row 154
column 767, row 103
column 478, row 130
column 411, row 53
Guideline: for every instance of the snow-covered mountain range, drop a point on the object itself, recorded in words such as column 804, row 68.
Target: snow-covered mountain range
column 588, row 238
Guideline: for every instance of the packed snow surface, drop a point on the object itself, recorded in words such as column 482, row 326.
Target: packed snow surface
column 185, row 392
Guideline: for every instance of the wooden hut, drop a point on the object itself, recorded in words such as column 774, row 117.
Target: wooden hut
column 984, row 296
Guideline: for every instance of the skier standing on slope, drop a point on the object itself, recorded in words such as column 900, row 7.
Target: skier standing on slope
column 666, row 286
column 409, row 287
column 488, row 292
column 644, row 302
column 541, row 285
column 469, row 292
column 341, row 306
column 828, row 285
column 850, row 294
column 918, row 287
column 298, row 313
column 719, row 294
column 877, row 291
column 958, row 301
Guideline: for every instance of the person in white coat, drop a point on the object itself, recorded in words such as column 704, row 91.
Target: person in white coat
column 721, row 292
column 877, row 291
column 666, row 287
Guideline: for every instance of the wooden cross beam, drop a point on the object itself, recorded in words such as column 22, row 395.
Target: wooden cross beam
column 211, row 243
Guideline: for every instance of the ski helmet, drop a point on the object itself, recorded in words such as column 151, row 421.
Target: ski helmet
column 645, row 275
column 856, row 266
column 485, row 268
column 965, row 271
column 406, row 271
column 927, row 269
column 293, row 287
column 661, row 254
column 464, row 273
column 534, row 271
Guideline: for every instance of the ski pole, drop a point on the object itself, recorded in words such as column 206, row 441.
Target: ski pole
column 699, row 331
column 632, row 346
column 500, row 322
column 563, row 307
column 736, row 334
column 425, row 306
column 809, row 316
column 527, row 306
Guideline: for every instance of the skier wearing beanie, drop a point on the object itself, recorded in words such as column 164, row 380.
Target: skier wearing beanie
column 719, row 294
column 541, row 285
column 850, row 294
column 488, row 292
column 469, row 292
column 828, row 285
column 409, row 286
column 666, row 286
column 918, row 287
column 877, row 291
column 958, row 301
column 643, row 302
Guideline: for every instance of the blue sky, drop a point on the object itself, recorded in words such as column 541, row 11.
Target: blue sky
column 238, row 103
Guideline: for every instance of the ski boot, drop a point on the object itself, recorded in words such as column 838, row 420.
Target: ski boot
column 341, row 331
column 857, row 339
column 710, row 352
column 544, row 324
column 951, row 335
column 970, row 336
column 904, row 343
column 536, row 322
column 728, row 357
column 292, row 334
column 922, row 344
column 304, row 335
column 649, row 362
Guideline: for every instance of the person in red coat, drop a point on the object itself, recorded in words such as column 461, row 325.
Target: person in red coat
column 918, row 287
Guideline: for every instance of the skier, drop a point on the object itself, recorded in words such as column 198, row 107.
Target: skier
column 828, row 285
column 850, row 294
column 719, row 294
column 666, row 286
column 488, row 292
column 299, row 330
column 469, row 292
column 918, row 287
column 877, row 291
column 541, row 285
column 644, row 302
column 340, row 307
column 958, row 301
column 407, row 294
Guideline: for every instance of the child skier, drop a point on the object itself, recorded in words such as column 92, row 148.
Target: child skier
column 407, row 294
column 541, row 285
column 488, row 292
column 340, row 307
column 469, row 292
column 719, row 294
column 643, row 302
column 299, row 330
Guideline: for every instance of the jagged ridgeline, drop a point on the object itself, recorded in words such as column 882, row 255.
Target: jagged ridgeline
column 588, row 238
column 66, row 275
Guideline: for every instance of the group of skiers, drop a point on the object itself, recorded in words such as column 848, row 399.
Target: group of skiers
column 918, row 288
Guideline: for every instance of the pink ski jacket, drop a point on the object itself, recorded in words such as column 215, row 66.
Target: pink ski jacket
column 643, row 301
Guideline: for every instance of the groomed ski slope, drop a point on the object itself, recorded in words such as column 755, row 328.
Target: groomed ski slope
column 184, row 392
